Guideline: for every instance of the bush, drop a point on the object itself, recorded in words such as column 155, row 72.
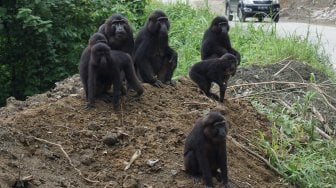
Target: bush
column 41, row 41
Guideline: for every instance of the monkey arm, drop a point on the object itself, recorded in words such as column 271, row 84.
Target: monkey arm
column 204, row 166
column 172, row 55
column 220, row 51
column 142, row 62
column 117, row 87
column 92, row 86
column 223, row 163
column 222, row 89
column 237, row 54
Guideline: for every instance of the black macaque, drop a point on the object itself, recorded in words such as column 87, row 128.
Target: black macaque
column 103, row 72
column 216, row 40
column 155, row 61
column 205, row 150
column 100, row 67
column 217, row 70
column 125, row 64
column 118, row 33
column 85, row 59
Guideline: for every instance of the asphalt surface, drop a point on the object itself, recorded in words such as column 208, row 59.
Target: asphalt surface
column 317, row 34
column 326, row 35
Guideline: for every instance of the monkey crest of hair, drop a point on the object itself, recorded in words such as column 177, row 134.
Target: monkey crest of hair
column 97, row 38
column 205, row 149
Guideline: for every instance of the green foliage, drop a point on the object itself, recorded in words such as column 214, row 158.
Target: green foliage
column 295, row 148
column 41, row 41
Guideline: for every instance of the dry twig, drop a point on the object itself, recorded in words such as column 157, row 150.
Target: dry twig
column 254, row 154
column 67, row 156
column 322, row 133
column 133, row 158
column 283, row 68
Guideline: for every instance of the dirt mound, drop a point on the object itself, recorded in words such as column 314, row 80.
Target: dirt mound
column 286, row 83
column 50, row 139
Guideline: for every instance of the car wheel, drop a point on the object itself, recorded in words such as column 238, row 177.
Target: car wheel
column 276, row 18
column 241, row 15
column 260, row 19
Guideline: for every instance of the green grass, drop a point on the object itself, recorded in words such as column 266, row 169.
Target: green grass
column 255, row 45
column 295, row 150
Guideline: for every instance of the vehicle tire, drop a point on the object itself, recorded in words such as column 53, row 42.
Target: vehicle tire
column 260, row 19
column 276, row 18
column 241, row 15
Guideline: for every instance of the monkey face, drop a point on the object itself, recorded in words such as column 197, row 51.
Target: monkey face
column 215, row 127
column 218, row 131
column 158, row 23
column 220, row 25
column 117, row 27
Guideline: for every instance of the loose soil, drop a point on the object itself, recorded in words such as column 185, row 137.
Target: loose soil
column 99, row 142
column 316, row 11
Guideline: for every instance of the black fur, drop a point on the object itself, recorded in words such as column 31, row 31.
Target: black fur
column 217, row 70
column 154, row 60
column 85, row 59
column 216, row 40
column 205, row 149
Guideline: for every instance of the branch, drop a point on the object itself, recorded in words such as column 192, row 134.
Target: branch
column 254, row 154
column 67, row 156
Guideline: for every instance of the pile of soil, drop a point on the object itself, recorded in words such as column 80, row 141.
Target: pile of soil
column 51, row 140
column 316, row 11
column 99, row 141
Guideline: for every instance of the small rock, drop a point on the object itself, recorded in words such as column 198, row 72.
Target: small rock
column 87, row 160
column 151, row 162
column 174, row 172
column 93, row 126
column 181, row 183
column 130, row 183
column 110, row 139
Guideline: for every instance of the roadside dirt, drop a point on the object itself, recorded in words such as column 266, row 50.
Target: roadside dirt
column 156, row 125
column 316, row 11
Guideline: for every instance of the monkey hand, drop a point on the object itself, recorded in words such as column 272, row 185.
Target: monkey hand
column 157, row 83
column 134, row 98
column 171, row 83
column 229, row 185
column 173, row 59
column 89, row 106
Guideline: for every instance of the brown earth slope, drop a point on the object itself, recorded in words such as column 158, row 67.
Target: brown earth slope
column 156, row 125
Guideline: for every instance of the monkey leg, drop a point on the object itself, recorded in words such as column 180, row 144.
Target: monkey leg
column 167, row 70
column 191, row 164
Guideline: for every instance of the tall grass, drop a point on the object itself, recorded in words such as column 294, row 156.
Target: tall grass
column 257, row 44
column 295, row 149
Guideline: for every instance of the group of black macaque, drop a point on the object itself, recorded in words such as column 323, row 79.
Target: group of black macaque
column 112, row 57
column 205, row 146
